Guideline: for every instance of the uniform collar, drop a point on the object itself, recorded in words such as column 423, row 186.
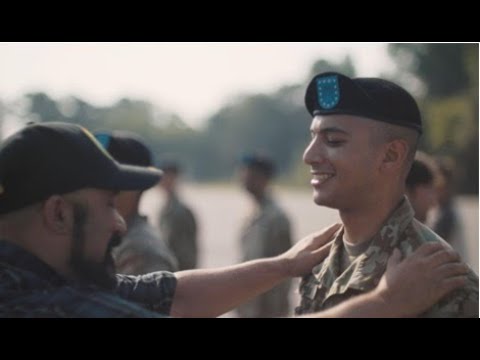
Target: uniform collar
column 368, row 267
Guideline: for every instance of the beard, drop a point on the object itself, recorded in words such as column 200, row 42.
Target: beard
column 101, row 274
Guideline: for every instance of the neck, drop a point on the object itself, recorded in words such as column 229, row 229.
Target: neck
column 259, row 197
column 362, row 223
column 171, row 195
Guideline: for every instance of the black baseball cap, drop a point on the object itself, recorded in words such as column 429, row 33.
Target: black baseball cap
column 45, row 159
column 126, row 147
column 332, row 93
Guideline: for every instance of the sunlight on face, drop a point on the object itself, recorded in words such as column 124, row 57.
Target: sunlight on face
column 342, row 160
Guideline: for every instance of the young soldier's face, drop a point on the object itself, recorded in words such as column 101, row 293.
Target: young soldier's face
column 343, row 161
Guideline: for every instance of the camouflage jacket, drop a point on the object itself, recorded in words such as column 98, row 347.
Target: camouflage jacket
column 266, row 233
column 30, row 288
column 142, row 250
column 327, row 286
column 179, row 229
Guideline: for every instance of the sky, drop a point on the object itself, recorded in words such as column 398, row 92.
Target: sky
column 192, row 80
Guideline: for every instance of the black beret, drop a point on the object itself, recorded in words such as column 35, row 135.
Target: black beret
column 332, row 93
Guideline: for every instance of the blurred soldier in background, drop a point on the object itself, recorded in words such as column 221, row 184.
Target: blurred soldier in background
column 422, row 181
column 265, row 233
column 445, row 220
column 177, row 222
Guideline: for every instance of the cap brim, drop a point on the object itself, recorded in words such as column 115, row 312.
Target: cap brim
column 129, row 177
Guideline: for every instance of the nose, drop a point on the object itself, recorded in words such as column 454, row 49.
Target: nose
column 313, row 154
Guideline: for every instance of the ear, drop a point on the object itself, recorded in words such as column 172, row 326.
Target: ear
column 395, row 155
column 58, row 215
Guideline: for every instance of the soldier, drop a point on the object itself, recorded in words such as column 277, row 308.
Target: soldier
column 176, row 222
column 364, row 137
column 422, row 181
column 142, row 250
column 265, row 233
column 445, row 220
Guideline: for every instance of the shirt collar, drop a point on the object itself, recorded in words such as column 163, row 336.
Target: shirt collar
column 17, row 258
column 372, row 263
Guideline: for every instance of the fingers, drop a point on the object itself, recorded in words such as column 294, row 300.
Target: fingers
column 395, row 258
column 452, row 270
column 452, row 284
column 325, row 235
column 322, row 252
column 442, row 257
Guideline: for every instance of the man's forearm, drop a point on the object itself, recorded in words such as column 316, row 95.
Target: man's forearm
column 212, row 292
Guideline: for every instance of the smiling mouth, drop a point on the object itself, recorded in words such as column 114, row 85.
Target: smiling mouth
column 319, row 179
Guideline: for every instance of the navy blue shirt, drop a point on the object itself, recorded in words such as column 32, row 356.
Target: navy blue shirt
column 31, row 288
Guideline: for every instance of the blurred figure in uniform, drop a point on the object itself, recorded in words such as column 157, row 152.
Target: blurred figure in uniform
column 445, row 220
column 421, row 183
column 142, row 250
column 266, row 233
column 177, row 222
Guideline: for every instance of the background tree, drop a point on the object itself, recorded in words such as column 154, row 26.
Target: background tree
column 448, row 74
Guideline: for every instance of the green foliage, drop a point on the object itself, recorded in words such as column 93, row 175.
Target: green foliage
column 449, row 73
column 345, row 67
column 277, row 123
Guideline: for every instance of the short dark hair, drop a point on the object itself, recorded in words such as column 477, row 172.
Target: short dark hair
column 386, row 132
column 422, row 172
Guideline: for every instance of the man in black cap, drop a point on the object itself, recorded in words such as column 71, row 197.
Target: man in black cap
column 58, row 224
column 142, row 250
column 364, row 137
column 266, row 232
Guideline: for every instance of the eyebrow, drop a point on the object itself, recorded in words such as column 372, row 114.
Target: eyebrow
column 330, row 130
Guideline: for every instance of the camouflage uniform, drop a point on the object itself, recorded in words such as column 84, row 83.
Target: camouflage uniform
column 179, row 229
column 328, row 286
column 142, row 250
column 266, row 234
